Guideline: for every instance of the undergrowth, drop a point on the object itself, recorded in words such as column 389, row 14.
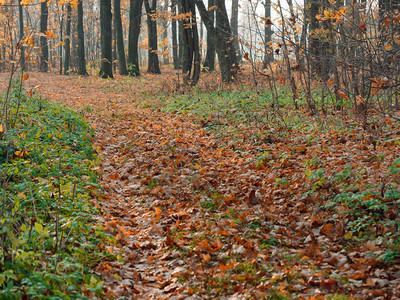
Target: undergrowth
column 49, row 240
column 370, row 210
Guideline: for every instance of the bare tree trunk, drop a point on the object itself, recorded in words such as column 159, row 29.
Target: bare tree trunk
column 191, row 51
column 153, row 62
column 67, row 46
column 135, row 18
column 174, row 36
column 44, row 54
column 106, row 70
column 120, row 38
column 81, row 42
column 268, row 54
column 235, row 25
column 21, row 35
column 209, row 62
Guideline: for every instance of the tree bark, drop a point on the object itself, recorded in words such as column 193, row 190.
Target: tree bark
column 153, row 62
column 21, row 35
column 318, row 46
column 235, row 25
column 44, row 54
column 209, row 62
column 268, row 55
column 81, row 42
column 67, row 46
column 227, row 56
column 191, row 51
column 175, row 56
column 120, row 38
column 106, row 70
column 135, row 18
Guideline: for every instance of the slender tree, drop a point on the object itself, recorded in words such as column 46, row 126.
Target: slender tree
column 223, row 39
column 135, row 18
column 61, row 20
column 21, row 35
column 120, row 38
column 153, row 62
column 268, row 55
column 209, row 62
column 44, row 54
column 106, row 70
column 81, row 41
column 175, row 56
column 67, row 42
column 235, row 24
column 191, row 50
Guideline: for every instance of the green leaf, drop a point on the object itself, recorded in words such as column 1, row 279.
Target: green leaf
column 38, row 227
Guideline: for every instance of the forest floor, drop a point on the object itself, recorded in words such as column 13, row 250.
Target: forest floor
column 311, row 213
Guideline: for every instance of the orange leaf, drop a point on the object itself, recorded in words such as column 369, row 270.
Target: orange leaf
column 26, row 76
column 363, row 27
column 223, row 268
column 343, row 95
column 30, row 93
column 246, row 56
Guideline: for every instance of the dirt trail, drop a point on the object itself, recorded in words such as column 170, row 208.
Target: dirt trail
column 130, row 144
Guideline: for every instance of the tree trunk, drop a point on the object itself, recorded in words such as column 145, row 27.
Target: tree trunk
column 120, row 38
column 61, row 38
column 235, row 25
column 67, row 46
column 175, row 56
column 44, row 54
column 153, row 62
column 318, row 45
column 209, row 62
column 180, row 35
column 81, row 42
column 135, row 18
column 227, row 56
column 191, row 51
column 268, row 55
column 106, row 70
column 165, row 21
column 21, row 35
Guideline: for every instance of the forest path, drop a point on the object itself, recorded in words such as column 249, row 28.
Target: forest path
column 136, row 152
column 199, row 217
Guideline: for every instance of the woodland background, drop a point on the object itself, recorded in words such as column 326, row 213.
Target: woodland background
column 183, row 148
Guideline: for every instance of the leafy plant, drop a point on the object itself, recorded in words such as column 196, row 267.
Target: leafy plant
column 49, row 240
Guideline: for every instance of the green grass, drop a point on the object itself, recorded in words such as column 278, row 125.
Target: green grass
column 49, row 240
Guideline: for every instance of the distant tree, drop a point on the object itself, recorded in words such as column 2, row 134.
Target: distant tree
column 135, row 18
column 120, row 38
column 153, row 62
column 44, row 54
column 175, row 56
column 191, row 50
column 164, row 24
column 235, row 25
column 67, row 42
column 318, row 45
column 21, row 35
column 223, row 39
column 106, row 70
column 268, row 55
column 81, row 41
column 209, row 62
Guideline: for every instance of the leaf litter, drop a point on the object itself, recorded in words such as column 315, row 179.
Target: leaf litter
column 194, row 218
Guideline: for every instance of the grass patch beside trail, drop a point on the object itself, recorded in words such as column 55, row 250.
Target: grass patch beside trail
column 49, row 240
column 340, row 176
